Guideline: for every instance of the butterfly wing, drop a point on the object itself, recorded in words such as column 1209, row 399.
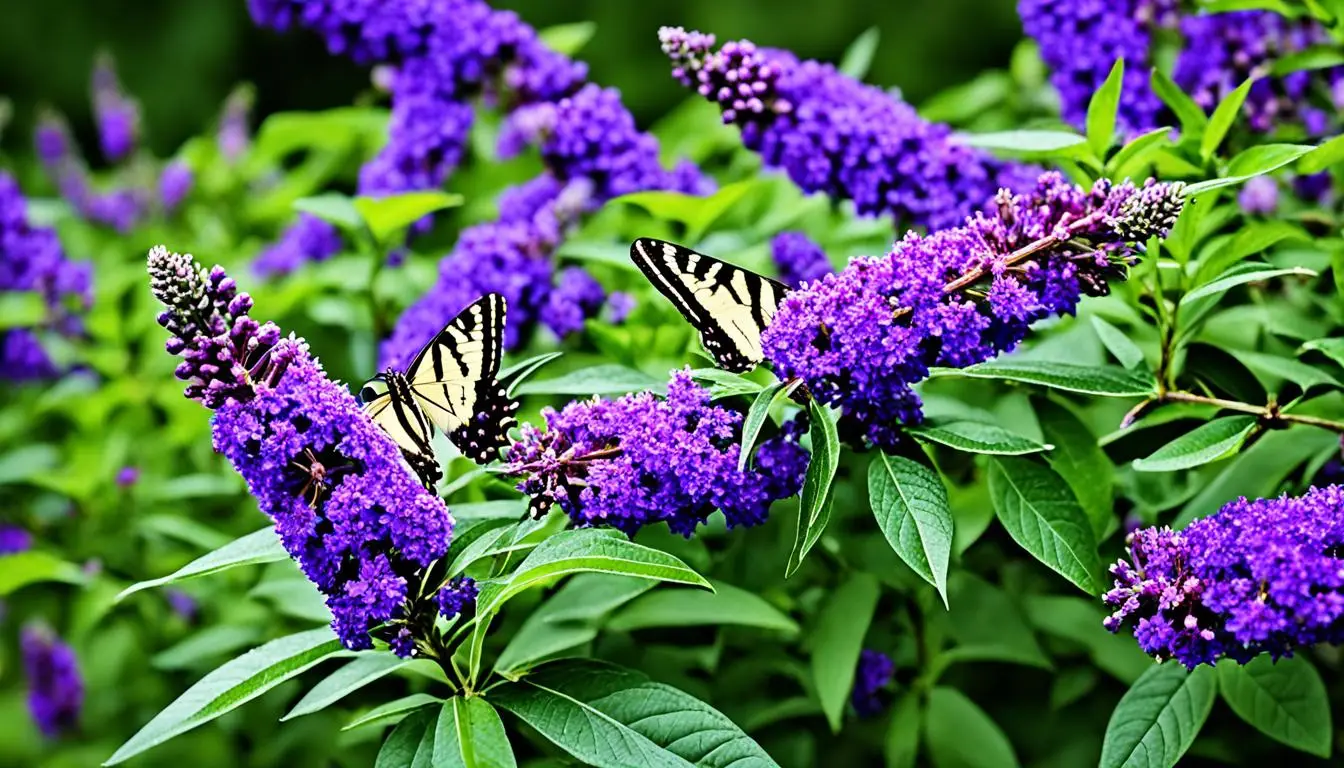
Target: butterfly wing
column 454, row 379
column 387, row 401
column 728, row 306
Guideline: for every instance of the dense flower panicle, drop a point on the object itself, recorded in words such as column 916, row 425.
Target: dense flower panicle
column 118, row 116
column 345, row 504
column 835, row 135
column 1263, row 576
column 1259, row 196
column 454, row 598
column 426, row 138
column 174, row 184
column 307, row 239
column 873, row 676
column 798, row 258
column 575, row 298
column 861, row 338
column 32, row 259
column 1080, row 42
column 55, row 686
column 640, row 460
column 14, row 539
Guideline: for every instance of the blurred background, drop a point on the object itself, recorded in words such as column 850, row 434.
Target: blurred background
column 182, row 58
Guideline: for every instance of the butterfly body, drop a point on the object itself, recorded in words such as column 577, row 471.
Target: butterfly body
column 451, row 386
column 728, row 306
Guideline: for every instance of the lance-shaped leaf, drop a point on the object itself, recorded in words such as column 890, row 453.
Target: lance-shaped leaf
column 1284, row 699
column 911, row 507
column 1208, row 442
column 1041, row 513
column 469, row 734
column 1159, row 717
column 814, row 508
column 261, row 546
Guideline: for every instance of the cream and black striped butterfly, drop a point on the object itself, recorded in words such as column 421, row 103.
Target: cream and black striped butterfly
column 728, row 305
column 451, row 384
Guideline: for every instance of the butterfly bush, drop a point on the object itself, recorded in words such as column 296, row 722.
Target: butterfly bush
column 345, row 504
column 434, row 59
column 641, row 460
column 32, row 260
column 831, row 133
column 55, row 686
column 862, row 338
column 1262, row 576
column 871, row 679
column 592, row 151
column 1080, row 41
column 14, row 539
column 798, row 258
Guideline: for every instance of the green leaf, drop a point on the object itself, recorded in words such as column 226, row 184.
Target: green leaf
column 1158, row 718
column 911, row 507
column 988, row 625
column 907, row 720
column 210, row 642
column 1331, row 348
column 411, row 744
column 725, row 606
column 1209, row 441
column 696, row 213
column 1102, row 108
column 334, row 208
column 469, row 734
column 1192, row 117
column 1080, row 461
column 978, row 437
column 585, row 550
column 365, row 669
column 1252, row 162
column 757, row 415
column 393, row 711
column 725, row 384
column 33, row 567
column 570, row 618
column 1315, row 57
column 814, row 509
column 1221, row 120
column 1328, row 154
column 1039, row 511
column 388, row 215
column 610, row 717
column 1285, row 700
column 1139, row 152
column 1029, row 141
column 961, row 735
column 261, row 546
column 1079, row 620
column 1271, row 369
column 232, row 685
column 859, row 55
column 1117, row 343
column 837, row 639
column 597, row 380
column 1258, row 471
column 1254, row 237
column 1103, row 380
column 21, row 309
column 567, row 39
column 521, row 371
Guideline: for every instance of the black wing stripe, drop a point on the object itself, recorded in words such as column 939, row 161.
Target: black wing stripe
column 662, row 276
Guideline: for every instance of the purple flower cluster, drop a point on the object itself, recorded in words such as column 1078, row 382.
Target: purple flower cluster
column 454, row 597
column 32, row 260
column 861, row 338
column 233, row 136
column 593, row 150
column 873, row 676
column 798, row 258
column 14, row 539
column 1259, row 196
column 1080, row 42
column 434, row 59
column 835, row 135
column 345, row 504
column 308, row 239
column 641, row 460
column 1263, row 576
column 118, row 115
column 55, row 687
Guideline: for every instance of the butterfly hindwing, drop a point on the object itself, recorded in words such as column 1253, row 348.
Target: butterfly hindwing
column 728, row 306
column 387, row 401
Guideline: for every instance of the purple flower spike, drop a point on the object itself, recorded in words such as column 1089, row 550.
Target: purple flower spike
column 862, row 338
column 576, row 297
column 174, row 185
column 308, row 239
column 345, row 504
column 55, row 687
column 1263, row 576
column 874, row 675
column 639, row 460
column 835, row 135
column 14, row 539
column 456, row 596
column 798, row 258
column 118, row 116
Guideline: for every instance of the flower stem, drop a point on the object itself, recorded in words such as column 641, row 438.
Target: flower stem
column 1023, row 253
column 1270, row 413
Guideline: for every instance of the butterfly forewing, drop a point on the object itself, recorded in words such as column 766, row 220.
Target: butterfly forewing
column 387, row 402
column 459, row 365
column 728, row 306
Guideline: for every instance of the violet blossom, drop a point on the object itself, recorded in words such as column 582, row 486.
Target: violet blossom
column 55, row 686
